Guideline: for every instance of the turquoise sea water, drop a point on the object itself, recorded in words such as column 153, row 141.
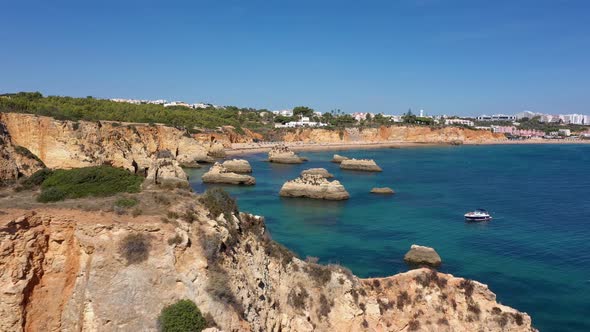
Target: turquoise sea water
column 535, row 254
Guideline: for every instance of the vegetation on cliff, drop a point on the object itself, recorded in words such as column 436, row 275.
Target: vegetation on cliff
column 182, row 316
column 92, row 109
column 100, row 181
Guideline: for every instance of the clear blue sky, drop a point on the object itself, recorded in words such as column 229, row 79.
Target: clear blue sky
column 461, row 57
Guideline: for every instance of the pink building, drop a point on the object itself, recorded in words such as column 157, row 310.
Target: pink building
column 511, row 130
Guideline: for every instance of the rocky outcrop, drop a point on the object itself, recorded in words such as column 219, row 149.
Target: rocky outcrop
column 338, row 159
column 237, row 166
column 314, row 186
column 416, row 134
column 166, row 172
column 15, row 161
column 66, row 270
column 317, row 171
column 383, row 191
column 420, row 255
column 283, row 155
column 219, row 174
column 366, row 165
column 68, row 144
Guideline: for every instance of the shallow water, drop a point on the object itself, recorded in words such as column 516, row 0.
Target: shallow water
column 535, row 254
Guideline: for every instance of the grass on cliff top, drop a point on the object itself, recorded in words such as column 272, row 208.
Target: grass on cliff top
column 98, row 181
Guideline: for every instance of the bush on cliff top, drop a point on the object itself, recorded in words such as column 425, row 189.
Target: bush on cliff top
column 182, row 316
column 98, row 181
column 218, row 201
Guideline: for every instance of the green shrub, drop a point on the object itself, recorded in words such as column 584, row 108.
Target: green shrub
column 182, row 316
column 126, row 202
column 52, row 194
column 218, row 201
column 36, row 179
column 99, row 181
column 135, row 248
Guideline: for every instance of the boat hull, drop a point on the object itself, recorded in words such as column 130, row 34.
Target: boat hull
column 478, row 218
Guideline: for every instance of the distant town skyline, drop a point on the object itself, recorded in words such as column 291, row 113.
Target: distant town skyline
column 462, row 57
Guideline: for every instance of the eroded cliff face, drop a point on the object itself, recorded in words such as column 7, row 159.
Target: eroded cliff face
column 63, row 270
column 394, row 134
column 67, row 144
column 15, row 161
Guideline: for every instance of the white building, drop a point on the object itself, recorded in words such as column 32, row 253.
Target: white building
column 176, row 103
column 463, row 122
column 304, row 122
column 496, row 117
column 283, row 112
column 577, row 119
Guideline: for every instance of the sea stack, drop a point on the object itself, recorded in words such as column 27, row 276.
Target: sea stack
column 317, row 171
column 383, row 191
column 314, row 186
column 219, row 174
column 420, row 255
column 281, row 154
column 366, row 165
column 338, row 158
column 237, row 166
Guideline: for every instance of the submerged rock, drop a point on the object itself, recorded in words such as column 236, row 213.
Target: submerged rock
column 283, row 155
column 338, row 158
column 219, row 174
column 421, row 255
column 314, row 186
column 366, row 165
column 317, row 171
column 237, row 166
column 383, row 191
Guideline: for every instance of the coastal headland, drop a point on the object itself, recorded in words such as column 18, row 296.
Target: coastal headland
column 113, row 262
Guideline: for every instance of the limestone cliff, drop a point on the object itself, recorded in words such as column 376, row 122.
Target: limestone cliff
column 67, row 144
column 65, row 270
column 416, row 134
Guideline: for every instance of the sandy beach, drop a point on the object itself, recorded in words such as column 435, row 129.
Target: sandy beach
column 250, row 148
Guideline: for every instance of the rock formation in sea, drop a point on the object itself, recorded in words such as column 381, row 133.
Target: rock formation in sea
column 283, row 155
column 73, row 270
column 314, row 186
column 219, row 174
column 318, row 171
column 421, row 255
column 237, row 166
column 338, row 159
column 383, row 191
column 366, row 165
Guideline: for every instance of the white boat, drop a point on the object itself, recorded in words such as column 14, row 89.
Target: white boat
column 478, row 215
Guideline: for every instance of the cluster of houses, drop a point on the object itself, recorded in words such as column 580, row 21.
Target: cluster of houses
column 165, row 103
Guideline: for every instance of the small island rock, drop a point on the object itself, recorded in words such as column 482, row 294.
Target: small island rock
column 219, row 174
column 237, row 166
column 338, row 158
column 314, row 186
column 283, row 155
column 318, row 171
column 383, row 191
column 420, row 255
column 366, row 165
